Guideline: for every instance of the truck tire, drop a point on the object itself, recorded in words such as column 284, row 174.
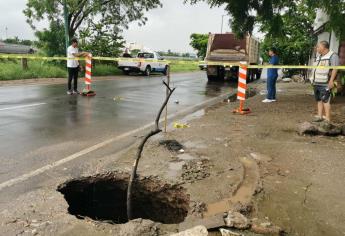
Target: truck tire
column 220, row 75
column 125, row 72
column 212, row 78
column 148, row 71
column 165, row 71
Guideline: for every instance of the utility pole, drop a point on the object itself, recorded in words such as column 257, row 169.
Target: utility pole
column 65, row 11
column 221, row 29
column 6, row 29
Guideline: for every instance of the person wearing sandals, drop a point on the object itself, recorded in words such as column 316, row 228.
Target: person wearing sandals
column 323, row 81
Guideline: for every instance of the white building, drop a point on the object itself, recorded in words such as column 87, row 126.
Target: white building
column 319, row 29
column 336, row 45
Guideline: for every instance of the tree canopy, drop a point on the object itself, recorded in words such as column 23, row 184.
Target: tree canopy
column 199, row 43
column 247, row 13
column 98, row 20
column 296, row 39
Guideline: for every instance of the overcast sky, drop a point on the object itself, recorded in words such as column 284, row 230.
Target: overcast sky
column 167, row 28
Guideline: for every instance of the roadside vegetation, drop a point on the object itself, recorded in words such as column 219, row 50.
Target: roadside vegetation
column 12, row 69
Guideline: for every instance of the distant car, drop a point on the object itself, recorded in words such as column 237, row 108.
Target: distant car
column 148, row 62
column 202, row 65
column 15, row 49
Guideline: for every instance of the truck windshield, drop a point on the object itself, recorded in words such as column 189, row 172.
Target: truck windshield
column 145, row 55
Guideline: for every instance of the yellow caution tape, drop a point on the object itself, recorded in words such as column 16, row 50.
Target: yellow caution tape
column 170, row 62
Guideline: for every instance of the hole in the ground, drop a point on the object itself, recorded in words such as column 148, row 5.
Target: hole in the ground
column 103, row 197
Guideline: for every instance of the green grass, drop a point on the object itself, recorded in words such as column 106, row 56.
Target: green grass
column 106, row 70
column 184, row 67
column 12, row 69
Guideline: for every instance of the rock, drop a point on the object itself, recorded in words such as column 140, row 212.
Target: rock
column 343, row 130
column 236, row 220
column 243, row 208
column 287, row 80
column 297, row 78
column 196, row 231
column 197, row 208
column 139, row 227
column 326, row 128
column 172, row 145
column 227, row 232
column 307, row 128
column 320, row 128
column 266, row 228
column 211, row 222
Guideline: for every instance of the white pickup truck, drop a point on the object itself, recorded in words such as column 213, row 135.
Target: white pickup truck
column 145, row 62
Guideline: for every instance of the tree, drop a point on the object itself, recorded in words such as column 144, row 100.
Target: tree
column 296, row 39
column 51, row 40
column 16, row 40
column 97, row 19
column 114, row 13
column 199, row 43
column 246, row 13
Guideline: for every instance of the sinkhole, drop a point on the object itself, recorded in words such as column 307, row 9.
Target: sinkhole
column 103, row 197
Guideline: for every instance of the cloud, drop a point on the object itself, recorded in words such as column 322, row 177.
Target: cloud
column 171, row 26
column 167, row 28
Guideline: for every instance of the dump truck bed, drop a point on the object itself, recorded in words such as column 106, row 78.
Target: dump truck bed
column 228, row 48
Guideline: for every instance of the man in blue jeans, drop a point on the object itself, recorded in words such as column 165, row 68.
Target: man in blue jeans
column 272, row 76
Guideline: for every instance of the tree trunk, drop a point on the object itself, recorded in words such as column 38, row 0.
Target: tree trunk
column 25, row 63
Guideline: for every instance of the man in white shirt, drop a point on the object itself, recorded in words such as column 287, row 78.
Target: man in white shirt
column 73, row 66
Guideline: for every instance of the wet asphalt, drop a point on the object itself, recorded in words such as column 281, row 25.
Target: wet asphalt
column 40, row 124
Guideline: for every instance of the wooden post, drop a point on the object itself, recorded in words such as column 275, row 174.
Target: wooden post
column 25, row 63
column 166, row 107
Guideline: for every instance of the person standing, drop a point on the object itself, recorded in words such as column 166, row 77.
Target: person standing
column 323, row 80
column 127, row 54
column 73, row 66
column 272, row 76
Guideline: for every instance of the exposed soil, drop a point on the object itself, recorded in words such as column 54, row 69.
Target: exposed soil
column 297, row 181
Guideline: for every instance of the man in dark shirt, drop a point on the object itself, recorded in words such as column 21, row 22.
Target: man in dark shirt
column 126, row 54
column 272, row 76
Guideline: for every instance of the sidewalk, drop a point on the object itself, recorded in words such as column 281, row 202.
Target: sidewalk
column 297, row 181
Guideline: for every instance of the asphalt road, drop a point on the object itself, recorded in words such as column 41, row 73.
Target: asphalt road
column 41, row 125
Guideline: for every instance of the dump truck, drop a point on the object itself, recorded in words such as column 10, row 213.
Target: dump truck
column 15, row 48
column 226, row 48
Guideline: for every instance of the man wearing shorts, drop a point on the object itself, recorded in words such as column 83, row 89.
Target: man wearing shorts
column 323, row 80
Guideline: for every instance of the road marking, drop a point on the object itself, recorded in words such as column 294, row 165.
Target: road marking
column 74, row 156
column 23, row 106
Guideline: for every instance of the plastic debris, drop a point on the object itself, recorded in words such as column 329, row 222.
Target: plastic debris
column 180, row 125
column 118, row 98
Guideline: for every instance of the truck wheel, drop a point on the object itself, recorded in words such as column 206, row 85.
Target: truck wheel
column 126, row 72
column 217, row 77
column 212, row 78
column 148, row 71
column 165, row 71
column 221, row 74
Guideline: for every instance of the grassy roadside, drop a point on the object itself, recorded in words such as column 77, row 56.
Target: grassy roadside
column 12, row 70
